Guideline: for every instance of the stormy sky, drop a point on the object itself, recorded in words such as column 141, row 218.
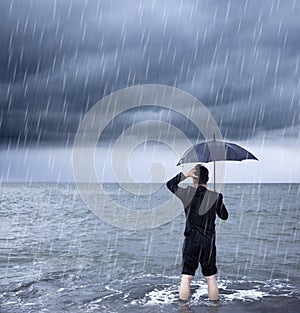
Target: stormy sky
column 59, row 58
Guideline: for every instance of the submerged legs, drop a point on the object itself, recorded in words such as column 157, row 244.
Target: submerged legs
column 212, row 287
column 213, row 291
column 184, row 291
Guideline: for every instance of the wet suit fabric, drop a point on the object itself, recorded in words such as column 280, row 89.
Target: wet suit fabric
column 199, row 243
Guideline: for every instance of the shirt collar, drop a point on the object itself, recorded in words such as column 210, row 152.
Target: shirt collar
column 201, row 188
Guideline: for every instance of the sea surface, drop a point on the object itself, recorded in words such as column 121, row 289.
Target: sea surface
column 57, row 256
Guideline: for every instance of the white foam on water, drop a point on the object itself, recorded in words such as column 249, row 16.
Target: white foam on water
column 11, row 302
column 245, row 295
column 230, row 290
column 165, row 290
column 167, row 295
column 60, row 290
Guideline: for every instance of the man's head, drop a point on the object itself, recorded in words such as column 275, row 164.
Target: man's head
column 202, row 173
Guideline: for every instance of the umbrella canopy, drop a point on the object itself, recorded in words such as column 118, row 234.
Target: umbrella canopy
column 215, row 150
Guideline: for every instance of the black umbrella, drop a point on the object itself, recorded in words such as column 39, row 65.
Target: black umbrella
column 214, row 150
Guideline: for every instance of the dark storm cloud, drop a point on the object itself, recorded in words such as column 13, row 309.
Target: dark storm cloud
column 58, row 58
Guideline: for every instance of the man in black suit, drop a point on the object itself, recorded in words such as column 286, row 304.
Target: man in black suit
column 201, row 207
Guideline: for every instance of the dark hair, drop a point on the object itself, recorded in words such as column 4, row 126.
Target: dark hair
column 202, row 173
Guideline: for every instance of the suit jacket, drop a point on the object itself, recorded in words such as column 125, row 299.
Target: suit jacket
column 201, row 207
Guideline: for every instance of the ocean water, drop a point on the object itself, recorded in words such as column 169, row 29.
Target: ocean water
column 57, row 256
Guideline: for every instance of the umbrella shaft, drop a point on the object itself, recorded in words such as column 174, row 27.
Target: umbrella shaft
column 214, row 176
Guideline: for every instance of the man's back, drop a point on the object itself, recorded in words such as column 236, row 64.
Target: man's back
column 200, row 206
column 202, row 211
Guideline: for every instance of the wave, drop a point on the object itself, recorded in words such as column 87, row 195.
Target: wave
column 68, row 293
column 149, row 290
column 230, row 290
